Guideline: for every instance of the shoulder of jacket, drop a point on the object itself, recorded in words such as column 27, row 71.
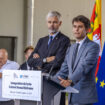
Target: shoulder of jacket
column 42, row 38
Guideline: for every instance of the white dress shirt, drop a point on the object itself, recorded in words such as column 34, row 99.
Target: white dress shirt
column 80, row 43
column 11, row 65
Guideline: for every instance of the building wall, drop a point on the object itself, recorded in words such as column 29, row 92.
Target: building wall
column 68, row 9
column 11, row 23
column 13, row 18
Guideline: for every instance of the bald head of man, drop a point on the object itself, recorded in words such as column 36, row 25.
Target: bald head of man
column 3, row 57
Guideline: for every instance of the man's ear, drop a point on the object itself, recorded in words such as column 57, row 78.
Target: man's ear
column 60, row 23
column 25, row 56
column 87, row 30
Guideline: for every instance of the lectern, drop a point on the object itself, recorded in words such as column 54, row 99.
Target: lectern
column 32, row 85
column 51, row 87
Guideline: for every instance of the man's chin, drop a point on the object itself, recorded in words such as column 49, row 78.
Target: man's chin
column 52, row 31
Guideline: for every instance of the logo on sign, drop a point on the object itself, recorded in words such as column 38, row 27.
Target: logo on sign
column 24, row 76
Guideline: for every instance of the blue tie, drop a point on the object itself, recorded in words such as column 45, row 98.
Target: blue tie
column 50, row 41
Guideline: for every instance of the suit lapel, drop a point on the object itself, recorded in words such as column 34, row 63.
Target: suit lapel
column 72, row 57
column 46, row 42
column 45, row 46
column 80, row 52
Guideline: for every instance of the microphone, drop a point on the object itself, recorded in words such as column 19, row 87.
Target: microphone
column 53, row 80
column 48, row 77
column 50, row 71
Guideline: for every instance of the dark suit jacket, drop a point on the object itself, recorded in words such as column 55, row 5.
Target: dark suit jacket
column 83, row 72
column 57, row 48
column 23, row 66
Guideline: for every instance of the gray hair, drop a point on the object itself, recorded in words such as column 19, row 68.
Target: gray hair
column 54, row 14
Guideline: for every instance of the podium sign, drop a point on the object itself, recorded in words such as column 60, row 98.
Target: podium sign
column 17, row 84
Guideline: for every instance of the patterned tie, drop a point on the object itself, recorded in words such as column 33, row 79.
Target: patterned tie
column 75, row 54
column 50, row 40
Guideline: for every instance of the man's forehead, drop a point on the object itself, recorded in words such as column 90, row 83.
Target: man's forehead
column 78, row 23
column 52, row 18
column 2, row 57
column 2, row 53
column 29, row 50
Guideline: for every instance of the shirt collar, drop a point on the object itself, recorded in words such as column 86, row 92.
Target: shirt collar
column 54, row 35
column 8, row 61
column 81, row 42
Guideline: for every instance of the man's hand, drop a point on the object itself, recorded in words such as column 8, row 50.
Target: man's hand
column 0, row 75
column 49, row 59
column 36, row 55
column 64, row 82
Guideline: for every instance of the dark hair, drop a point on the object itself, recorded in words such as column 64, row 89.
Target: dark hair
column 27, row 48
column 82, row 19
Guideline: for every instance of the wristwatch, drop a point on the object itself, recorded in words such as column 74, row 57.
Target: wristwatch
column 70, row 80
column 44, row 60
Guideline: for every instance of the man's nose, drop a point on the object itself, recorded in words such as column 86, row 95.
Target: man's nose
column 77, row 28
column 52, row 24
